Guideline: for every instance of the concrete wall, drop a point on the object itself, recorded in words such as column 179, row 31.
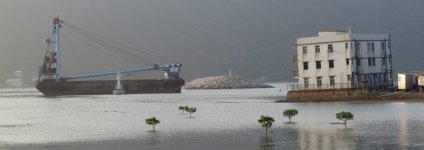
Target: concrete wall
column 350, row 95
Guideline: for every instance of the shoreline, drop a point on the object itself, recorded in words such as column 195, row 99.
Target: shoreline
column 349, row 95
column 370, row 101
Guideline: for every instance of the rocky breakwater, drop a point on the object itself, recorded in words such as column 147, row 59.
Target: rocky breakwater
column 224, row 82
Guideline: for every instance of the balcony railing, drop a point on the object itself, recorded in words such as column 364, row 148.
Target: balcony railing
column 303, row 87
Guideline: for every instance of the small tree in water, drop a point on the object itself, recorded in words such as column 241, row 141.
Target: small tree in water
column 290, row 113
column 152, row 121
column 266, row 122
column 344, row 116
column 190, row 110
column 182, row 109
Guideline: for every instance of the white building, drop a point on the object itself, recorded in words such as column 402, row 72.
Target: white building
column 15, row 82
column 336, row 59
column 405, row 81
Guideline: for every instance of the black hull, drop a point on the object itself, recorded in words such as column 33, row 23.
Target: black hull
column 99, row 87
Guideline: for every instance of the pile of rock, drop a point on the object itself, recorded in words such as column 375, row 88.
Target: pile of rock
column 224, row 82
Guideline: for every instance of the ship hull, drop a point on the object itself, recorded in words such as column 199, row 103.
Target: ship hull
column 101, row 87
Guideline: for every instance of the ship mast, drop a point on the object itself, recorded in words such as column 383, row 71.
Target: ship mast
column 56, row 26
column 50, row 69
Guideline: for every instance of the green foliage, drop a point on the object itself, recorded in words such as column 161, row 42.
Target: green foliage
column 266, row 122
column 152, row 121
column 344, row 116
column 190, row 110
column 182, row 109
column 290, row 113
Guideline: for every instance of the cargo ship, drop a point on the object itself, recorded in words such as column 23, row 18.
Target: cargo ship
column 51, row 83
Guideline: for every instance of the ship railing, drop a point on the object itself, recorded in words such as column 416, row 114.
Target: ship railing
column 307, row 87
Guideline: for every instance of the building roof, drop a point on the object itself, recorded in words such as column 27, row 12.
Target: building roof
column 334, row 36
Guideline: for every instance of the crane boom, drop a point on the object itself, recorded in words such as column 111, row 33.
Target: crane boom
column 165, row 68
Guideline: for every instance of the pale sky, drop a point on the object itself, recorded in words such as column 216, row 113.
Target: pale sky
column 252, row 37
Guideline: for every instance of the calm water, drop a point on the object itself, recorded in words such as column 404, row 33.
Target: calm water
column 226, row 119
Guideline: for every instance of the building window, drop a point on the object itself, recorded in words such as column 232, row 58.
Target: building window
column 369, row 62
column 331, row 64
column 318, row 64
column 370, row 46
column 390, row 45
column 358, row 46
column 358, row 62
column 306, row 82
column 347, row 62
column 317, row 49
column 383, row 46
column 346, row 45
column 349, row 77
column 304, row 50
column 305, row 66
column 330, row 47
column 383, row 61
column 319, row 81
column 332, row 82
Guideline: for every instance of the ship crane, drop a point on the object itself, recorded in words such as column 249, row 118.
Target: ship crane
column 51, row 82
column 171, row 72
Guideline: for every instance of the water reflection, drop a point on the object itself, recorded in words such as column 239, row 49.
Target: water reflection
column 266, row 143
column 344, row 138
column 326, row 139
column 153, row 138
column 403, row 127
column 290, row 137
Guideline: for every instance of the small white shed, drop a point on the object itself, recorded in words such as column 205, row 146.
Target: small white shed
column 405, row 81
column 421, row 82
column 421, row 79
